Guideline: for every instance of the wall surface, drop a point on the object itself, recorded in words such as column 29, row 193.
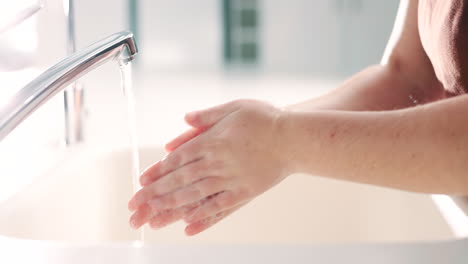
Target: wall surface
column 320, row 37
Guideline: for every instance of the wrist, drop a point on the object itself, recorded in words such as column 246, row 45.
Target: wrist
column 284, row 142
column 301, row 137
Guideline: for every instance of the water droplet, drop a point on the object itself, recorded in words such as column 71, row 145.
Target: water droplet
column 413, row 99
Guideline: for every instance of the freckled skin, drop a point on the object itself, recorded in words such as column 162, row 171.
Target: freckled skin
column 401, row 124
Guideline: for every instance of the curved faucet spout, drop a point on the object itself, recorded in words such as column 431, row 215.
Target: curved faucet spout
column 119, row 46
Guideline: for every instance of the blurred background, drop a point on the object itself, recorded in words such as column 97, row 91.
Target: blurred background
column 198, row 53
column 321, row 38
column 317, row 39
column 192, row 54
column 195, row 54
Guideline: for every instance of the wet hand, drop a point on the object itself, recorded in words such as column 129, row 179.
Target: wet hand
column 232, row 154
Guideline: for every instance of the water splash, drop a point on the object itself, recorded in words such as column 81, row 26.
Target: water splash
column 126, row 75
column 413, row 99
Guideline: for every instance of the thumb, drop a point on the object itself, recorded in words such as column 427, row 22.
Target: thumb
column 208, row 117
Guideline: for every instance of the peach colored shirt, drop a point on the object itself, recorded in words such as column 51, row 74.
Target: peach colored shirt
column 443, row 28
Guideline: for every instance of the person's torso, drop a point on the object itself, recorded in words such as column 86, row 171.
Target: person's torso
column 443, row 28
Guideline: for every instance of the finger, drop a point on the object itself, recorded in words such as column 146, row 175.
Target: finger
column 168, row 217
column 150, row 174
column 218, row 203
column 197, row 227
column 183, row 155
column 210, row 116
column 181, row 139
column 170, row 182
column 189, row 194
column 140, row 217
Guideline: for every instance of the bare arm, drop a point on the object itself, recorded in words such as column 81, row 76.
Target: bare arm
column 421, row 149
column 404, row 78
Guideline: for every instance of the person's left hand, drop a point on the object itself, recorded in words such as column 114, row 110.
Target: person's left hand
column 232, row 154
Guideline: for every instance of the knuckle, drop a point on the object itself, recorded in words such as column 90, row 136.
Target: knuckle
column 212, row 184
column 193, row 174
column 218, row 203
column 190, row 178
column 202, row 211
column 209, row 155
column 197, row 190
column 146, row 194
column 194, row 168
column 173, row 160
column 203, row 165
column 187, row 208
column 203, row 214
column 168, row 201
column 216, row 152
column 173, row 180
column 178, row 178
column 226, row 200
column 206, row 187
column 156, row 188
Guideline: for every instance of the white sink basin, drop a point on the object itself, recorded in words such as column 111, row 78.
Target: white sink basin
column 70, row 215
column 84, row 200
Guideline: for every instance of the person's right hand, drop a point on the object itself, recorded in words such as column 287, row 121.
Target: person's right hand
column 238, row 157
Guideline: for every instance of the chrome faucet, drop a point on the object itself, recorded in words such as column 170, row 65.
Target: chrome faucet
column 73, row 96
column 120, row 46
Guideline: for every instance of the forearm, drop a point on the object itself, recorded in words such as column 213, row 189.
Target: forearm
column 379, row 87
column 420, row 149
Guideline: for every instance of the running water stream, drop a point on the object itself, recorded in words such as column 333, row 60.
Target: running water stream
column 126, row 79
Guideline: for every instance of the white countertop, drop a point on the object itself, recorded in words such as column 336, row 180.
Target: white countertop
column 19, row 252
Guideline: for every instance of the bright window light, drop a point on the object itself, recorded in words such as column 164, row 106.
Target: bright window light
column 454, row 216
column 18, row 45
column 15, row 12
